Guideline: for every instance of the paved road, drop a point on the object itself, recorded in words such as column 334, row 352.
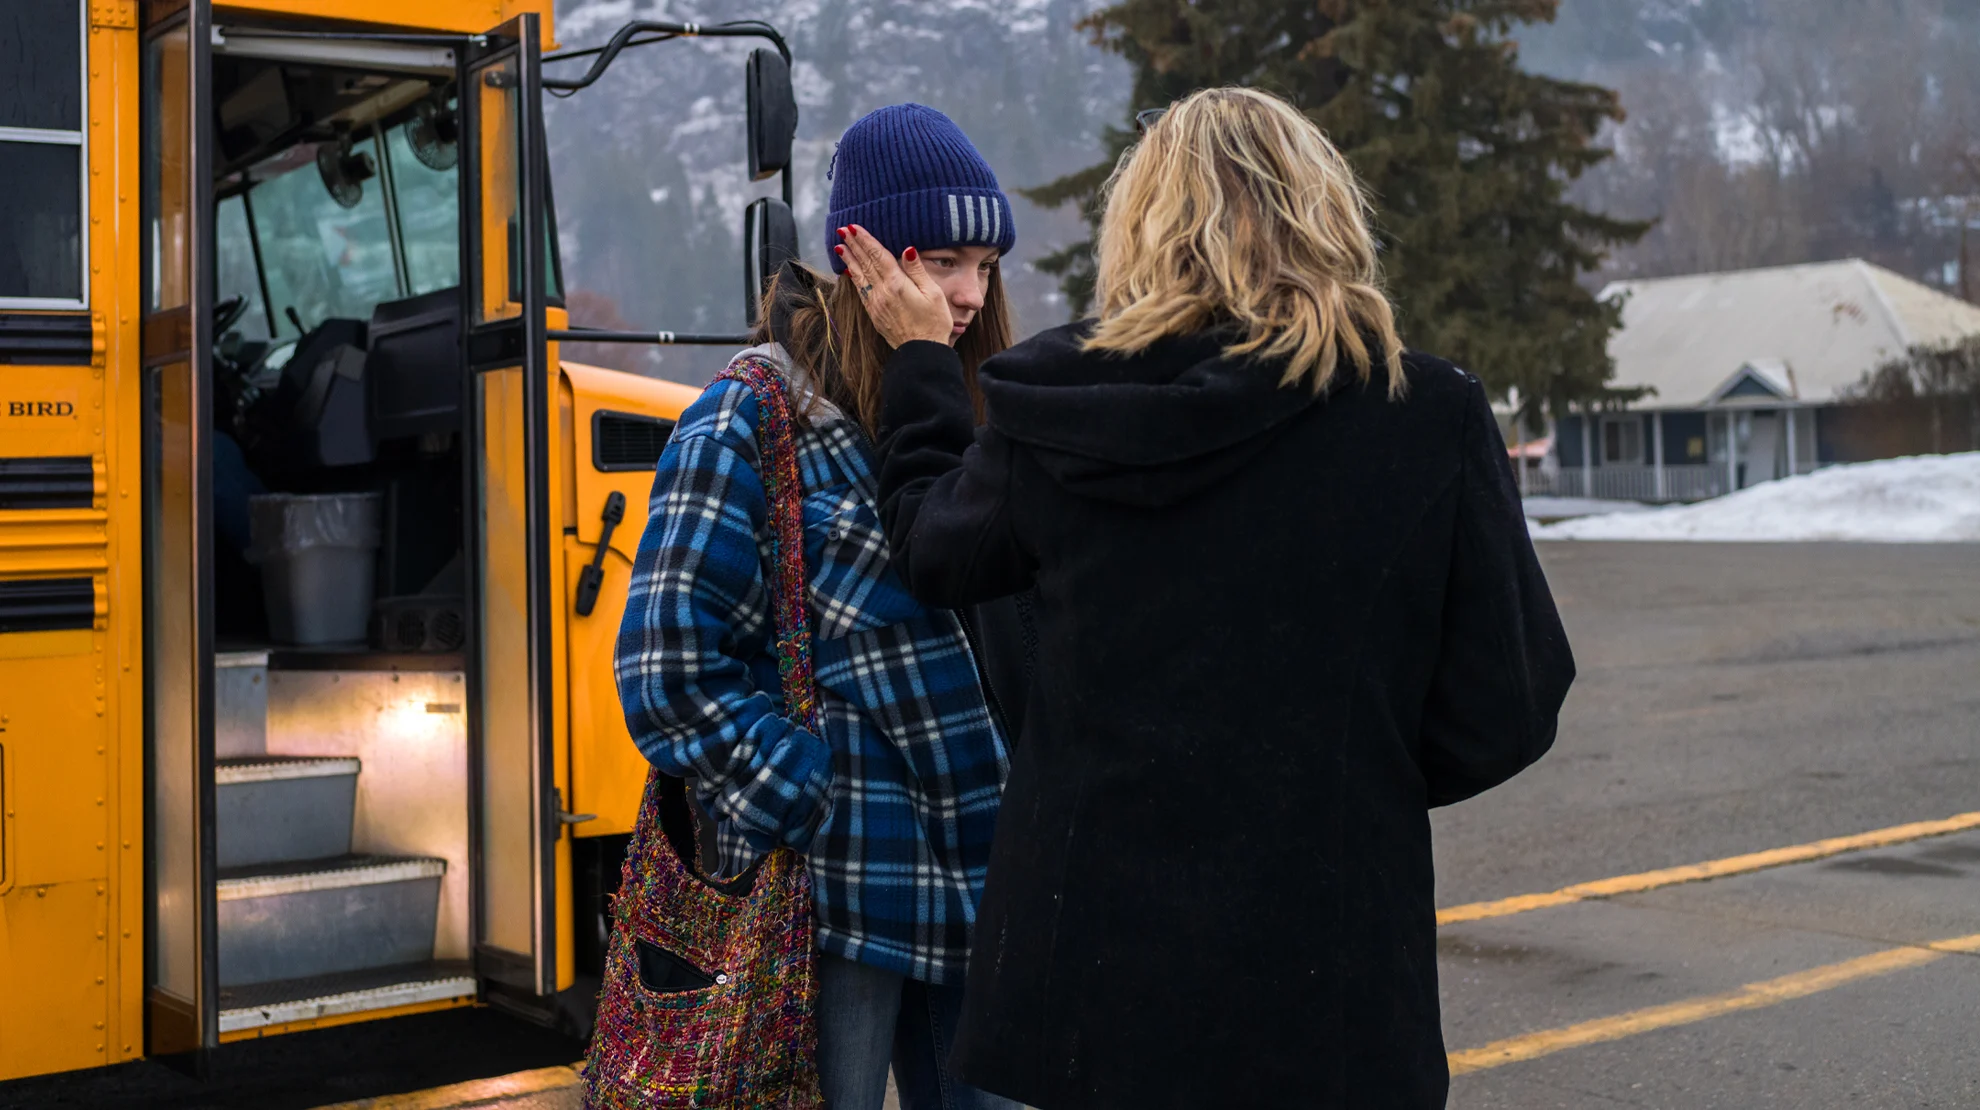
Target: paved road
column 1732, row 699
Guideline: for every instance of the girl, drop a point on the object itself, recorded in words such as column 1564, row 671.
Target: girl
column 894, row 804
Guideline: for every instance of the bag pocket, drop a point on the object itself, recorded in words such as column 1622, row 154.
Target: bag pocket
column 853, row 584
column 662, row 972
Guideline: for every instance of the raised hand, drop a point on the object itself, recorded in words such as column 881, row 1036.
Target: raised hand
column 903, row 301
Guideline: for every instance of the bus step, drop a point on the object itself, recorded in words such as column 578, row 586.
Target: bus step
column 261, row 1005
column 275, row 809
column 240, row 699
column 319, row 917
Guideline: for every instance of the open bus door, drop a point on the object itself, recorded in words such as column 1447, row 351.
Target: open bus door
column 513, row 697
column 515, row 450
column 181, row 966
column 511, row 670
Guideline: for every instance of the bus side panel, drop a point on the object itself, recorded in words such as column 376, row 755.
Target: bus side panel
column 607, row 771
column 54, row 997
column 71, row 699
column 116, row 293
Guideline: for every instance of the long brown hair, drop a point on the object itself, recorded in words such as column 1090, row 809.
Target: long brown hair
column 825, row 330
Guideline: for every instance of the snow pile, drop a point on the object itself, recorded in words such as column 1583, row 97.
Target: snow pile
column 1928, row 499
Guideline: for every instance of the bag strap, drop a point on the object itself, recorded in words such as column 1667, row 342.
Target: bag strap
column 783, row 487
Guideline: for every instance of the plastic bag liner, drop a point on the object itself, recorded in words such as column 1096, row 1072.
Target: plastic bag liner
column 283, row 522
column 318, row 556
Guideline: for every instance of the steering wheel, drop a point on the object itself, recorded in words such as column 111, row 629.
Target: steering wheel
column 233, row 374
column 229, row 312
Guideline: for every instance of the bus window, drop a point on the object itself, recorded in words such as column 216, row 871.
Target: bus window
column 235, row 274
column 429, row 204
column 41, row 155
column 321, row 258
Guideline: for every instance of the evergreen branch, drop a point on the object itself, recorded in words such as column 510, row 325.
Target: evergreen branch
column 1077, row 185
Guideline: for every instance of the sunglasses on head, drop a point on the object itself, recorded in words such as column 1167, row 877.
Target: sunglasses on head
column 1146, row 119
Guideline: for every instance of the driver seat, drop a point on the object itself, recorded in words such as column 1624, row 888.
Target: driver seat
column 321, row 398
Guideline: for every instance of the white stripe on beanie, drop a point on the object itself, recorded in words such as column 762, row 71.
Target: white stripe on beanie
column 976, row 219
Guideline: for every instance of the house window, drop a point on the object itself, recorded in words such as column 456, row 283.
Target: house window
column 41, row 155
column 1622, row 441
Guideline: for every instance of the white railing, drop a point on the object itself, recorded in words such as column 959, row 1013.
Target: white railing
column 1629, row 483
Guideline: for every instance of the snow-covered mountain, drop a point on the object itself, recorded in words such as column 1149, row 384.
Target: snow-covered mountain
column 1766, row 132
column 1591, row 36
column 648, row 163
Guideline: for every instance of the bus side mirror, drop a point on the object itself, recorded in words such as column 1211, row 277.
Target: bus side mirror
column 769, row 243
column 773, row 113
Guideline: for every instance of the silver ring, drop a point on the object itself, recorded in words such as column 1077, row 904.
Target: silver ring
column 865, row 289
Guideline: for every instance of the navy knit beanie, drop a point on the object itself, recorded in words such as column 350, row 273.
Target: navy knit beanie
column 910, row 176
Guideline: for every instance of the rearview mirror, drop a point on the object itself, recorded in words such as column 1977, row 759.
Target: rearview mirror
column 769, row 243
column 772, row 113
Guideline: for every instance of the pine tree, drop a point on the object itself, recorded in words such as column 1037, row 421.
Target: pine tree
column 1469, row 159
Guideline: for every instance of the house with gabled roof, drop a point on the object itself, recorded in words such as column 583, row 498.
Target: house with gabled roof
column 1747, row 375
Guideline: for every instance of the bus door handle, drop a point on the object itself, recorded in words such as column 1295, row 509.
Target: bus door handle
column 593, row 576
column 564, row 816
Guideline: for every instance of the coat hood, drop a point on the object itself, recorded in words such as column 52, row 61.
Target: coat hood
column 1146, row 429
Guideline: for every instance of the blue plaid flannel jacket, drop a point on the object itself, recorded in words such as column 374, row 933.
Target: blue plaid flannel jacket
column 894, row 806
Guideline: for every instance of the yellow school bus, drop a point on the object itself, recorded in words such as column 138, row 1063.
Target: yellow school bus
column 312, row 548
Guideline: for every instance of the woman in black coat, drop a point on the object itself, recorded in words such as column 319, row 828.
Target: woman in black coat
column 1286, row 605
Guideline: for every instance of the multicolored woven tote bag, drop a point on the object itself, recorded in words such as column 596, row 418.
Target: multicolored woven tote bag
column 709, row 984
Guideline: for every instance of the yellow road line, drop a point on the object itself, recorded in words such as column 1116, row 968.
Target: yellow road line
column 473, row 1093
column 1714, row 869
column 1752, row 996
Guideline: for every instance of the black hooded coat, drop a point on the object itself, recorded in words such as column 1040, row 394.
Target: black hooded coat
column 1274, row 630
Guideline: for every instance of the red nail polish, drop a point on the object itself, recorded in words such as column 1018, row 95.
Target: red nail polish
column 909, row 254
column 843, row 233
column 839, row 250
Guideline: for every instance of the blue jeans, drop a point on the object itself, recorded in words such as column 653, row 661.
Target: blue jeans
column 868, row 1019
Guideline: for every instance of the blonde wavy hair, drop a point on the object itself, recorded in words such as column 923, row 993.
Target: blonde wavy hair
column 1236, row 208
